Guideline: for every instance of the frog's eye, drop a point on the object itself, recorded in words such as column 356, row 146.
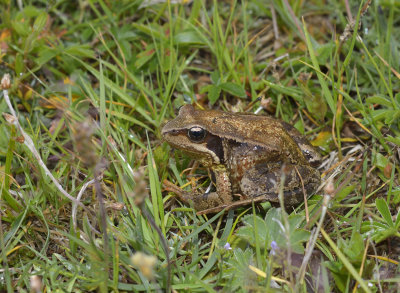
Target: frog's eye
column 197, row 134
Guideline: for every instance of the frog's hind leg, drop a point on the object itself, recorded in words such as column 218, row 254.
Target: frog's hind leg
column 265, row 181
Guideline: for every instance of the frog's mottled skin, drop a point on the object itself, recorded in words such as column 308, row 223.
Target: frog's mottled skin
column 245, row 153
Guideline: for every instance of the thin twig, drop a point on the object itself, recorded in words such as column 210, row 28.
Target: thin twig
column 348, row 10
column 329, row 192
column 305, row 196
column 274, row 22
column 31, row 146
column 285, row 218
column 102, row 209
column 362, row 264
column 295, row 20
column 78, row 198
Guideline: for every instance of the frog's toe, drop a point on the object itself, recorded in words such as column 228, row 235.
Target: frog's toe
column 206, row 201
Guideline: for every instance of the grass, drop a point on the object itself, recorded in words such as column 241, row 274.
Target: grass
column 93, row 82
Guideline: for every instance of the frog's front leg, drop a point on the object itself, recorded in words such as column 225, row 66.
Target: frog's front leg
column 221, row 197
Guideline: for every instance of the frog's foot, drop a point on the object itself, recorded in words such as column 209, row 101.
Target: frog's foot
column 200, row 201
column 203, row 201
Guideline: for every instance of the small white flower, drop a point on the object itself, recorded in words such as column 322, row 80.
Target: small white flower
column 227, row 246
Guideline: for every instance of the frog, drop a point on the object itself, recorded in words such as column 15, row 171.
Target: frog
column 246, row 155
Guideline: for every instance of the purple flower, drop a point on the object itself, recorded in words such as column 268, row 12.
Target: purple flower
column 274, row 248
column 227, row 246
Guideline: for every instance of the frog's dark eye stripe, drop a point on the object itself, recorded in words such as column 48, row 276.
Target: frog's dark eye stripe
column 197, row 134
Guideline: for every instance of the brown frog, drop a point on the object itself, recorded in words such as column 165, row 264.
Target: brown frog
column 245, row 154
